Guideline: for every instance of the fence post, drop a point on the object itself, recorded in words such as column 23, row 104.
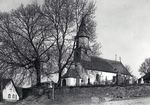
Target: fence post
column 53, row 91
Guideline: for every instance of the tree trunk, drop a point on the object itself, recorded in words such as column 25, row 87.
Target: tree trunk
column 59, row 79
column 38, row 72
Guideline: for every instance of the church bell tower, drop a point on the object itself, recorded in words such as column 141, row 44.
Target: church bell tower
column 82, row 43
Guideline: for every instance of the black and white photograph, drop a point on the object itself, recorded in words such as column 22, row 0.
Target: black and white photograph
column 74, row 52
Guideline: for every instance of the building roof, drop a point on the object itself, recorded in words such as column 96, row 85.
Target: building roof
column 118, row 66
column 82, row 29
column 105, row 65
column 97, row 63
column 72, row 72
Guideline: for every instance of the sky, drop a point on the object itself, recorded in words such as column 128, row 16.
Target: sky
column 123, row 29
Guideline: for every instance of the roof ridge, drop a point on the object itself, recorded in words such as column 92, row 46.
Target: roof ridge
column 106, row 59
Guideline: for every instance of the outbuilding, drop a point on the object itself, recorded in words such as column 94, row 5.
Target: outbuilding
column 8, row 91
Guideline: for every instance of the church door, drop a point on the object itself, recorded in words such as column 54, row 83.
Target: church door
column 64, row 82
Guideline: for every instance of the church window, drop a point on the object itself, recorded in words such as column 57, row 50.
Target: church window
column 88, row 81
column 11, row 89
column 97, row 77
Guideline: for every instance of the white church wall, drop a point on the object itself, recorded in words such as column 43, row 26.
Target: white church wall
column 108, row 75
column 71, row 81
column 91, row 74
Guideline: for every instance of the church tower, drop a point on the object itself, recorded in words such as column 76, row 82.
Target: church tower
column 82, row 43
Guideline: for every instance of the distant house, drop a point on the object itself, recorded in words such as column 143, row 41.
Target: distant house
column 8, row 90
column 144, row 79
column 91, row 70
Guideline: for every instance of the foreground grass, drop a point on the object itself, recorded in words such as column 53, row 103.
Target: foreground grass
column 87, row 95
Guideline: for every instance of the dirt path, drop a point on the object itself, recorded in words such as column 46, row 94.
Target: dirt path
column 138, row 101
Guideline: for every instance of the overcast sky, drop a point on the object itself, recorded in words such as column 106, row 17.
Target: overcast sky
column 123, row 28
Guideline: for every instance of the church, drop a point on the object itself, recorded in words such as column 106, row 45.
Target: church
column 92, row 70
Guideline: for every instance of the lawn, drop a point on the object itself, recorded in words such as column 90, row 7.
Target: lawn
column 87, row 95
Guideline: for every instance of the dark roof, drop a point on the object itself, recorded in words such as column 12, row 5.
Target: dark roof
column 105, row 65
column 72, row 73
column 82, row 32
column 118, row 66
column 97, row 63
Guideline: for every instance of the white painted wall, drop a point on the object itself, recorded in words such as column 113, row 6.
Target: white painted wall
column 108, row 75
column 85, row 74
column 91, row 74
column 10, row 90
column 71, row 81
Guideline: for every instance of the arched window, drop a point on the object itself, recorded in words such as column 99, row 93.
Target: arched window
column 9, row 95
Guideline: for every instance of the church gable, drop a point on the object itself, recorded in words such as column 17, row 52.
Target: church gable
column 9, row 91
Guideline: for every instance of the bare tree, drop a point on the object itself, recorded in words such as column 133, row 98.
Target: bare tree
column 25, row 40
column 129, row 69
column 66, row 17
column 31, row 37
column 145, row 66
column 95, row 49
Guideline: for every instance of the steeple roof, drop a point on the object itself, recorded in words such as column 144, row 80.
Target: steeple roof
column 82, row 32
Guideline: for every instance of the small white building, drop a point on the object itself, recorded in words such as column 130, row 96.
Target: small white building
column 9, row 92
column 71, row 78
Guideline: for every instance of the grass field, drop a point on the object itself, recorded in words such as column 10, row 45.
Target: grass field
column 87, row 95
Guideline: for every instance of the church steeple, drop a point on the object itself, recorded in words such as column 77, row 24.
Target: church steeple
column 82, row 42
